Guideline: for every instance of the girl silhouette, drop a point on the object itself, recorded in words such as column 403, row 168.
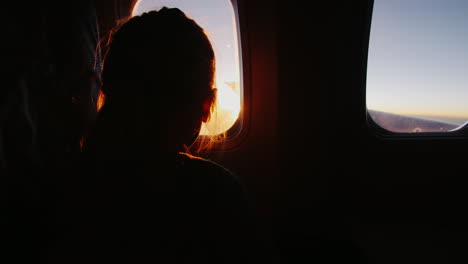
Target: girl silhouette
column 140, row 198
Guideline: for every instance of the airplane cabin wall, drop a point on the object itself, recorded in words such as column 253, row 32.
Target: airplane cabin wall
column 342, row 193
column 352, row 196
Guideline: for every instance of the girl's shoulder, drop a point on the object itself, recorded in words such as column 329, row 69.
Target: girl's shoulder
column 207, row 170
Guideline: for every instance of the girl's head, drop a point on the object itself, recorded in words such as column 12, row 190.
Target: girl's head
column 160, row 68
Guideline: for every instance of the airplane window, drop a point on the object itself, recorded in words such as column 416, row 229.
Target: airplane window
column 218, row 19
column 417, row 73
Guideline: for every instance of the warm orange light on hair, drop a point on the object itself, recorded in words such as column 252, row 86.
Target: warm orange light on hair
column 100, row 100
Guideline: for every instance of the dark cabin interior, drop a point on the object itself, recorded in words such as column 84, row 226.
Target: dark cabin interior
column 327, row 186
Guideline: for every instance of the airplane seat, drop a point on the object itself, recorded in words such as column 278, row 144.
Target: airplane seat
column 19, row 157
column 46, row 101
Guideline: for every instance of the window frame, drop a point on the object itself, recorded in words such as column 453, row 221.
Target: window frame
column 238, row 132
column 461, row 134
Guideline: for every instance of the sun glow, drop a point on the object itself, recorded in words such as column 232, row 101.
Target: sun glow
column 226, row 112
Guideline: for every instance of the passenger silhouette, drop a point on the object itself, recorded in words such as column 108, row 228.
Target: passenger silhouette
column 139, row 198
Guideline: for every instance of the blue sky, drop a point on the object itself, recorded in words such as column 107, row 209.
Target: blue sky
column 418, row 57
